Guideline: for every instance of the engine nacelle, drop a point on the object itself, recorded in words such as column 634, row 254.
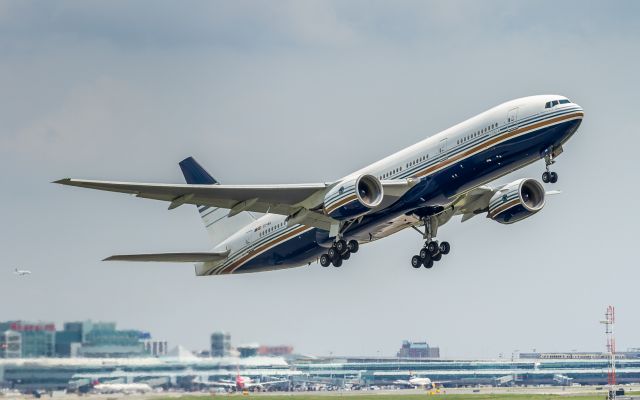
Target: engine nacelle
column 516, row 201
column 353, row 197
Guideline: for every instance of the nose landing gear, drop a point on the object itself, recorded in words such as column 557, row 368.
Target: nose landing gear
column 549, row 176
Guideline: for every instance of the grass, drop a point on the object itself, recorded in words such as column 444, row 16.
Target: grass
column 599, row 396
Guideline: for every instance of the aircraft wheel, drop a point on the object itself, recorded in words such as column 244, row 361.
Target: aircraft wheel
column 428, row 263
column 346, row 255
column 445, row 248
column 553, row 177
column 416, row 261
column 437, row 257
column 325, row 261
column 546, row 177
column 337, row 262
column 424, row 254
column 333, row 254
column 341, row 246
column 353, row 245
column 432, row 247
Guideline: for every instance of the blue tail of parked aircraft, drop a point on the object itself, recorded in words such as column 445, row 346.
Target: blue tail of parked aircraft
column 215, row 219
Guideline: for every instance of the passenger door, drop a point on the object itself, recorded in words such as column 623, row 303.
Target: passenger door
column 512, row 119
column 442, row 149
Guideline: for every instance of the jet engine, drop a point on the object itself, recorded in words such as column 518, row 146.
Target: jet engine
column 353, row 197
column 516, row 201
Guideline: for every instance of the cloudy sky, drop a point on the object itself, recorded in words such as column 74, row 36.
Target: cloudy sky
column 273, row 92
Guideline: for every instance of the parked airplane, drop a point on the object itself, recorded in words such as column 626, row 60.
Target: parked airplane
column 21, row 272
column 418, row 382
column 241, row 383
column 125, row 388
column 423, row 185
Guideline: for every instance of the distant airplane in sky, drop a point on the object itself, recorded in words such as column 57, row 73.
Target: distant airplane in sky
column 421, row 186
column 21, row 272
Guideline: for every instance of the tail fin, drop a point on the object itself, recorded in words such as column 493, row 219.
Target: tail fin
column 215, row 219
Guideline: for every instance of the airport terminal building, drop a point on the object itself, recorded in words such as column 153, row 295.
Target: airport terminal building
column 180, row 369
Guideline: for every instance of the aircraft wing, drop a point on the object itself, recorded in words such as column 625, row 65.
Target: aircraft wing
column 277, row 199
column 172, row 257
column 301, row 201
column 474, row 202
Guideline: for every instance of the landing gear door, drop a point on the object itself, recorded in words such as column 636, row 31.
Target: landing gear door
column 512, row 119
column 442, row 149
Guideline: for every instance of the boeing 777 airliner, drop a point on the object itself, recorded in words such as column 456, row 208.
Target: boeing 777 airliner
column 421, row 187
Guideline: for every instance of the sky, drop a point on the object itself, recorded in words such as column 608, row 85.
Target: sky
column 293, row 92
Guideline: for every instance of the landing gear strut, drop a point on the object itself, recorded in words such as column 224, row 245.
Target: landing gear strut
column 432, row 251
column 549, row 176
column 339, row 251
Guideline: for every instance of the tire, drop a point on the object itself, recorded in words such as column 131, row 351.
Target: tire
column 333, row 254
column 341, row 246
column 346, row 255
column 337, row 262
column 424, row 254
column 353, row 245
column 325, row 261
column 546, row 177
column 553, row 178
column 437, row 257
column 416, row 261
column 428, row 264
column 445, row 248
column 432, row 247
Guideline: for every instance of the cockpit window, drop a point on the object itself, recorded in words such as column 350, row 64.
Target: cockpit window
column 554, row 103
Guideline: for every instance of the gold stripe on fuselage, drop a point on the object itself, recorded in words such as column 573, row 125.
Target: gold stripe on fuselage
column 259, row 250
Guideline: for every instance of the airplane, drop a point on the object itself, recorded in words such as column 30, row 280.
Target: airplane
column 418, row 382
column 241, row 383
column 126, row 388
column 21, row 272
column 420, row 187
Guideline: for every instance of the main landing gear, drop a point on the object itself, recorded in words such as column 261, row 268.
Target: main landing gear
column 549, row 176
column 430, row 253
column 340, row 250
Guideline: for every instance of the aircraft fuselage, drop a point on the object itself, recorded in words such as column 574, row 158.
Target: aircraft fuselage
column 446, row 165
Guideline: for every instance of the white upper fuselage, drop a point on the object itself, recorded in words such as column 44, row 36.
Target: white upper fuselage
column 453, row 145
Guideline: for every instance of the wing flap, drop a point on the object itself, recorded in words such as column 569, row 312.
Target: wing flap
column 171, row 257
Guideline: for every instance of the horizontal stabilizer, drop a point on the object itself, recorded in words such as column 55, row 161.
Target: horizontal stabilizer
column 171, row 257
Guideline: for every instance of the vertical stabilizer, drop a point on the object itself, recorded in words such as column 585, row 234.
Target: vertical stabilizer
column 215, row 219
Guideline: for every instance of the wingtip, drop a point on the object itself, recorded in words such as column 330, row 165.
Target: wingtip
column 63, row 181
column 110, row 258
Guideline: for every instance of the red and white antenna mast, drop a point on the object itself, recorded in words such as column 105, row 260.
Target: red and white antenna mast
column 609, row 321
